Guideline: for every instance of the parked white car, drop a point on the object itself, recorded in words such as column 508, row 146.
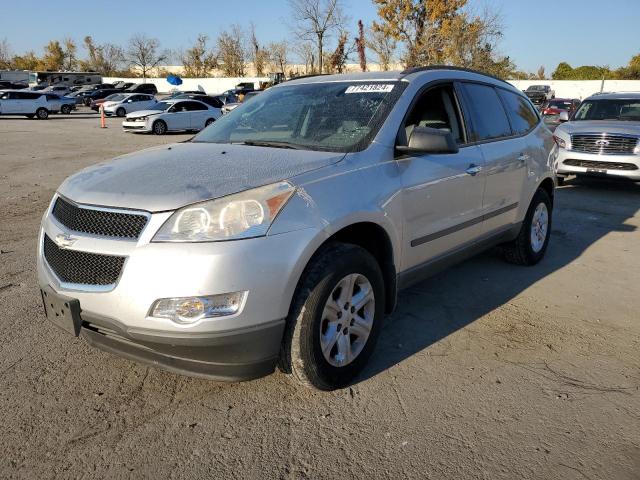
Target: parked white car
column 171, row 116
column 125, row 103
column 29, row 104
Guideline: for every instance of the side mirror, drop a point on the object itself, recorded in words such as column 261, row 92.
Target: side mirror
column 564, row 116
column 429, row 140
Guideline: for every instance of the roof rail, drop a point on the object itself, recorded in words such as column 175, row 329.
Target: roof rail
column 411, row 70
column 307, row 76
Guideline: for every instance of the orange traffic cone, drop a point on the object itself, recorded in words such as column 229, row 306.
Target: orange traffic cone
column 102, row 120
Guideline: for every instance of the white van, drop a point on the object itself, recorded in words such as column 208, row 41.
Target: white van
column 29, row 104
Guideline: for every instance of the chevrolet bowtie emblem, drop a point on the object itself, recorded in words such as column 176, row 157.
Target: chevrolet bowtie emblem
column 64, row 240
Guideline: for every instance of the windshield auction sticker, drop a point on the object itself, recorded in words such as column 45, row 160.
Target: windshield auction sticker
column 373, row 88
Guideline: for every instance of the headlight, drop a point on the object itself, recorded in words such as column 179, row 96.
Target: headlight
column 560, row 141
column 186, row 310
column 140, row 119
column 241, row 215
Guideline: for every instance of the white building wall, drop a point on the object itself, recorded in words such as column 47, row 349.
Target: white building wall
column 208, row 85
column 581, row 88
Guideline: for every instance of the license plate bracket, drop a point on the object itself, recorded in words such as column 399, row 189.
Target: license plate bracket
column 62, row 311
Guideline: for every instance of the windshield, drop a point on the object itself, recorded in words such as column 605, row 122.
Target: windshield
column 536, row 88
column 334, row 116
column 628, row 110
column 116, row 97
column 160, row 106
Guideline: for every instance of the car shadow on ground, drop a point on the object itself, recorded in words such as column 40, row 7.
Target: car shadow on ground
column 585, row 211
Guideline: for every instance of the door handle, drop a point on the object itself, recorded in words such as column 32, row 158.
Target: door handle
column 473, row 169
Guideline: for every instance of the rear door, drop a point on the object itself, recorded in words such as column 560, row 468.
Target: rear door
column 504, row 151
column 442, row 193
column 198, row 114
column 8, row 102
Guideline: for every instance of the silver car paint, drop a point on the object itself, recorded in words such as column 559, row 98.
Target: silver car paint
column 333, row 191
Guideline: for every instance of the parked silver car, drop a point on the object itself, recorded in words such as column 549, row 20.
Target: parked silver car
column 602, row 138
column 283, row 232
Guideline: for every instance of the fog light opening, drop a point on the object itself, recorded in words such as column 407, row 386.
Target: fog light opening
column 188, row 310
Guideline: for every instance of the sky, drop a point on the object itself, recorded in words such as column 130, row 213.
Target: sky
column 536, row 32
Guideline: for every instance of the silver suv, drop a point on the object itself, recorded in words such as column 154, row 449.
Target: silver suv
column 283, row 232
column 602, row 138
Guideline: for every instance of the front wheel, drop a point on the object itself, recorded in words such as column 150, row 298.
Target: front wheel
column 209, row 122
column 42, row 113
column 159, row 127
column 531, row 243
column 65, row 109
column 335, row 318
column 121, row 112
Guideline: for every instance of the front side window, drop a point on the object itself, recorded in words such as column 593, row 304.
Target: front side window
column 609, row 109
column 334, row 116
column 488, row 118
column 435, row 108
column 521, row 115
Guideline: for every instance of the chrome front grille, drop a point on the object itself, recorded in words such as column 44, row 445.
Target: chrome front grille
column 72, row 266
column 99, row 221
column 604, row 144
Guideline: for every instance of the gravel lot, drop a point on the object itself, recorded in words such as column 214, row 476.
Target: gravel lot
column 485, row 371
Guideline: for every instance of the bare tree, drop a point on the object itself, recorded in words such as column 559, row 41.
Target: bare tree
column 144, row 53
column 541, row 75
column 278, row 53
column 199, row 60
column 315, row 20
column 106, row 59
column 306, row 54
column 231, row 51
column 5, row 54
column 259, row 56
column 384, row 46
column 70, row 61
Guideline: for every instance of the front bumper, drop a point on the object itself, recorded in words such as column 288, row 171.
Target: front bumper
column 136, row 126
column 598, row 165
column 240, row 346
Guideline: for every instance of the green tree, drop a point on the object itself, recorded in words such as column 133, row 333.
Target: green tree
column 28, row 61
column 53, row 59
column 563, row 71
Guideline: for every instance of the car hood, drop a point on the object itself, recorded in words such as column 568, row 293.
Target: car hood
column 601, row 126
column 169, row 177
column 144, row 113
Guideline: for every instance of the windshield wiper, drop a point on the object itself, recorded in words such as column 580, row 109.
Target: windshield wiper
column 274, row 144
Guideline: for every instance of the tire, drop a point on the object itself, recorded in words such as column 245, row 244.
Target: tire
column 527, row 248
column 313, row 324
column 560, row 181
column 159, row 127
column 86, row 102
column 209, row 122
column 121, row 112
column 65, row 109
column 42, row 114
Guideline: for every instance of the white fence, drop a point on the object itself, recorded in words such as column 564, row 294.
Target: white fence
column 563, row 88
column 581, row 88
column 208, row 85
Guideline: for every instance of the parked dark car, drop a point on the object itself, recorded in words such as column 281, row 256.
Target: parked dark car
column 97, row 95
column 122, row 85
column 538, row 94
column 7, row 85
column 149, row 88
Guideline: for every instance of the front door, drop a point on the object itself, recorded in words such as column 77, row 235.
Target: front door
column 442, row 193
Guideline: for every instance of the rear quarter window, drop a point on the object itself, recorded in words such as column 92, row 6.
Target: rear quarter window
column 521, row 114
column 488, row 117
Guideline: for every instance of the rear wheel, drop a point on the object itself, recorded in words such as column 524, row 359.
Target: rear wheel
column 87, row 102
column 42, row 113
column 159, row 127
column 532, row 241
column 335, row 318
column 66, row 109
column 121, row 112
column 209, row 122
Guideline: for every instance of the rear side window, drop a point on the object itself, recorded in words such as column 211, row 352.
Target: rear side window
column 488, row 118
column 521, row 115
column 193, row 106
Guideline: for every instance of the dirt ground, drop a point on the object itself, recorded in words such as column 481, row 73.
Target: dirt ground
column 486, row 371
